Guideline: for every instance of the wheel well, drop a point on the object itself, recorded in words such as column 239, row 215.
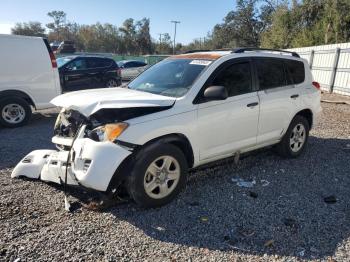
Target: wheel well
column 180, row 141
column 307, row 114
column 16, row 93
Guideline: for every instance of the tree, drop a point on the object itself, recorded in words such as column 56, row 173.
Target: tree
column 59, row 21
column 165, row 46
column 241, row 27
column 29, row 29
column 143, row 36
column 128, row 32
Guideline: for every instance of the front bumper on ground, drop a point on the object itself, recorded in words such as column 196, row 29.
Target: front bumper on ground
column 92, row 164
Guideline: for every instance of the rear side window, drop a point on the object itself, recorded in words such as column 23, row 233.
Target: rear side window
column 139, row 63
column 295, row 71
column 236, row 78
column 99, row 62
column 270, row 73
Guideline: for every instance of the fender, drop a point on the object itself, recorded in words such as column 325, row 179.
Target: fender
column 17, row 93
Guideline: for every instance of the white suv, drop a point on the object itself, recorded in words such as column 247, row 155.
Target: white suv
column 183, row 112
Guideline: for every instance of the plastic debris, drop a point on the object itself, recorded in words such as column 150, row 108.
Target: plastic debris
column 301, row 252
column 269, row 243
column 264, row 182
column 67, row 205
column 241, row 183
column 204, row 219
column 160, row 228
column 330, row 199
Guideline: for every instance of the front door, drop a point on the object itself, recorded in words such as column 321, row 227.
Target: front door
column 75, row 76
column 227, row 126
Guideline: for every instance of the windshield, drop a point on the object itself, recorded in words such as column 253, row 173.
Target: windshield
column 63, row 60
column 170, row 77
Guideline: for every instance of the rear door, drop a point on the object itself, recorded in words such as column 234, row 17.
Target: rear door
column 278, row 98
column 131, row 70
column 97, row 69
column 229, row 125
column 75, row 76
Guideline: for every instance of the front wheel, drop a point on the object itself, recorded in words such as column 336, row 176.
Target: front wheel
column 295, row 139
column 14, row 112
column 158, row 176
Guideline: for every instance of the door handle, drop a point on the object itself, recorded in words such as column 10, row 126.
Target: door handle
column 252, row 104
column 294, row 96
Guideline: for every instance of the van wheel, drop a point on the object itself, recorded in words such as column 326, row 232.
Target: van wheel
column 158, row 176
column 295, row 139
column 14, row 112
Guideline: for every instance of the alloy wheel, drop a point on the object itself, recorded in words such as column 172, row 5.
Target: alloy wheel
column 297, row 137
column 162, row 177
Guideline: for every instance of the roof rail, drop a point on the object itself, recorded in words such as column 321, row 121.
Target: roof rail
column 207, row 50
column 243, row 49
column 199, row 50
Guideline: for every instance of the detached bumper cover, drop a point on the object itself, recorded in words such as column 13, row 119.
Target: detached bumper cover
column 93, row 164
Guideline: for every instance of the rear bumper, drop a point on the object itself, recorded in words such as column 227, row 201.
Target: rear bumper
column 92, row 164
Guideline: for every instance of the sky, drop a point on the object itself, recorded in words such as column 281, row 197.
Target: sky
column 197, row 17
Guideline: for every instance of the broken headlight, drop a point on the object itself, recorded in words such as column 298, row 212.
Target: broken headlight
column 108, row 132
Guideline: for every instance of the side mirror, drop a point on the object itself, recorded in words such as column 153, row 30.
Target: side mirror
column 216, row 93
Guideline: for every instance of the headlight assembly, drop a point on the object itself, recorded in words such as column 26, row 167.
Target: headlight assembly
column 108, row 132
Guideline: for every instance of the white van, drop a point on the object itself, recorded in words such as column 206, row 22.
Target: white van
column 28, row 78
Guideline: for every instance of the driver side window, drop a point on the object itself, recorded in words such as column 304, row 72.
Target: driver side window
column 236, row 78
column 79, row 64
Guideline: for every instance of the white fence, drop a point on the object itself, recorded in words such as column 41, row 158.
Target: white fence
column 330, row 65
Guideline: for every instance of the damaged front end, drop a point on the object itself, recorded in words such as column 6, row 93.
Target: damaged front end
column 86, row 136
column 90, row 144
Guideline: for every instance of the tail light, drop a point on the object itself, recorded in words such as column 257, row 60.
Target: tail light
column 51, row 54
column 119, row 71
column 53, row 60
column 316, row 85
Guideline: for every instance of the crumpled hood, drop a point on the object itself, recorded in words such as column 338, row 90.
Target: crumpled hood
column 87, row 102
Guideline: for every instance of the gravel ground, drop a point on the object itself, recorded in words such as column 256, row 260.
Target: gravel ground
column 212, row 220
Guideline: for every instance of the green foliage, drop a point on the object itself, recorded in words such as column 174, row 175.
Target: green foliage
column 29, row 29
column 280, row 24
column 133, row 37
column 307, row 23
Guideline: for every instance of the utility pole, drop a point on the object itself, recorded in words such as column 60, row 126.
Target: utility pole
column 175, row 24
column 160, row 42
column 160, row 38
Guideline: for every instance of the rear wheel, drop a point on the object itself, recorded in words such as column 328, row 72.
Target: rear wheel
column 14, row 112
column 295, row 139
column 158, row 176
column 112, row 83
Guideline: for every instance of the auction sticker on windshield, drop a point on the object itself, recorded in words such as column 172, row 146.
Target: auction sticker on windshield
column 200, row 62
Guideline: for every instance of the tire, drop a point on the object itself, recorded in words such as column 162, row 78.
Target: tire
column 111, row 83
column 286, row 148
column 21, row 112
column 165, row 189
